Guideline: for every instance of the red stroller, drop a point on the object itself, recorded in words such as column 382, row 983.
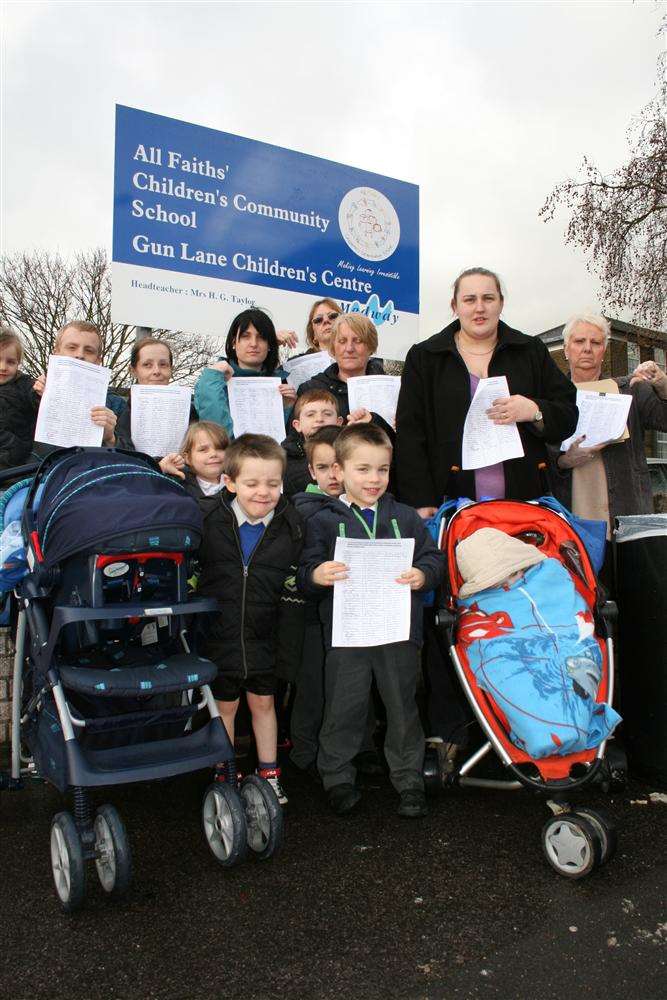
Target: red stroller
column 575, row 839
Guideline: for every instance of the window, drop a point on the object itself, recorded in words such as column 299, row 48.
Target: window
column 633, row 357
column 659, row 357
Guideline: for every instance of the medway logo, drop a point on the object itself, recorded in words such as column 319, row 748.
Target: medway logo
column 377, row 313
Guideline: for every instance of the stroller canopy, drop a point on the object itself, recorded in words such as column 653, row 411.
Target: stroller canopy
column 84, row 498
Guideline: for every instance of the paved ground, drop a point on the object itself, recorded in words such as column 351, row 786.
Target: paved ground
column 458, row 905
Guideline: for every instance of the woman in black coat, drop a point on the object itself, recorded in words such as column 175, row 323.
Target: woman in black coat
column 438, row 383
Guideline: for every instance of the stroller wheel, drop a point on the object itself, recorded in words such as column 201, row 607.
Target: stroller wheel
column 69, row 873
column 113, row 858
column 605, row 828
column 224, row 824
column 431, row 771
column 571, row 844
column 263, row 815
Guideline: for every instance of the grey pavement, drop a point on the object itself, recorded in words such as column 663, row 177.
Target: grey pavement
column 461, row 904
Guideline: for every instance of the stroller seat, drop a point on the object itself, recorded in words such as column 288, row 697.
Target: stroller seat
column 179, row 672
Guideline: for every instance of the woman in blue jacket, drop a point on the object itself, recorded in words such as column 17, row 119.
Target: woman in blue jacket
column 251, row 349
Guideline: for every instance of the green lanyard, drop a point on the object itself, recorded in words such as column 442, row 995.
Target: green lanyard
column 370, row 532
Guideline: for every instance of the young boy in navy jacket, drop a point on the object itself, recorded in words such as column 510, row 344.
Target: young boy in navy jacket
column 365, row 510
column 251, row 544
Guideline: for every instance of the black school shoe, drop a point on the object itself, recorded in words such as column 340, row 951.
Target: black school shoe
column 343, row 798
column 412, row 804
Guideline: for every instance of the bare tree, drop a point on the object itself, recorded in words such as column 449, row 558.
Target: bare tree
column 620, row 219
column 40, row 292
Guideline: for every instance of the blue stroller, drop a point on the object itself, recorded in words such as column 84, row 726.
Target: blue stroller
column 108, row 687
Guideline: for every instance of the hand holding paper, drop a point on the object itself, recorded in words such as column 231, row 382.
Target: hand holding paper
column 602, row 418
column 371, row 608
column 72, row 410
column 376, row 393
column 485, row 442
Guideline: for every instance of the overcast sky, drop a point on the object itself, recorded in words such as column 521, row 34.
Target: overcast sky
column 485, row 106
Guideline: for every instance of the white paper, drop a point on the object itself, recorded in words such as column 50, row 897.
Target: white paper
column 377, row 393
column 256, row 406
column 73, row 388
column 485, row 443
column 160, row 417
column 300, row 369
column 370, row 608
column 602, row 417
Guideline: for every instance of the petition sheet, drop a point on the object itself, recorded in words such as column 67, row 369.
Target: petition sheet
column 377, row 393
column 370, row 608
column 300, row 369
column 602, row 417
column 485, row 443
column 73, row 388
column 160, row 417
column 256, row 406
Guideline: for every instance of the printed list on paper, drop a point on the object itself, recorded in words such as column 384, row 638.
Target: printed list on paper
column 602, row 418
column 376, row 393
column 160, row 417
column 485, row 443
column 306, row 366
column 370, row 608
column 73, row 388
column 256, row 406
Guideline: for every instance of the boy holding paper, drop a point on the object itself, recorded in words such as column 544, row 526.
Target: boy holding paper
column 366, row 511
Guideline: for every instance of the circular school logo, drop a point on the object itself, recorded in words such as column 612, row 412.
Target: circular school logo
column 369, row 223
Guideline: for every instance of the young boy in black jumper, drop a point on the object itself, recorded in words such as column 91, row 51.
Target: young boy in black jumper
column 314, row 409
column 251, row 545
column 365, row 510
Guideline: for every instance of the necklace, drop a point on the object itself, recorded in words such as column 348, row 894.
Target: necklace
column 475, row 354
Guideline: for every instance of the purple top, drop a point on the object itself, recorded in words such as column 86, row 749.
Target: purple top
column 489, row 481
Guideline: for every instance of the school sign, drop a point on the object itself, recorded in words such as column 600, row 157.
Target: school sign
column 207, row 223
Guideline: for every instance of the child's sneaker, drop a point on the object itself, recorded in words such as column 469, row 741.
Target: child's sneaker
column 272, row 775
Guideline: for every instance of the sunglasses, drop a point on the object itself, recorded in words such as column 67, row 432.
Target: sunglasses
column 320, row 319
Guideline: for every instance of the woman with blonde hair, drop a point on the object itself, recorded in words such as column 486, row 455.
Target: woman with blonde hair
column 354, row 339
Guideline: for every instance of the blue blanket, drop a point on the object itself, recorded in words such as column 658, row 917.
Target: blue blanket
column 532, row 647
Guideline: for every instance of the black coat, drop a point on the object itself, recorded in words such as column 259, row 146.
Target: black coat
column 260, row 625
column 433, row 403
column 322, row 530
column 296, row 476
column 18, row 416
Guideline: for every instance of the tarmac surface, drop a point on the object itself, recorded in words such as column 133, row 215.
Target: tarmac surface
column 369, row 906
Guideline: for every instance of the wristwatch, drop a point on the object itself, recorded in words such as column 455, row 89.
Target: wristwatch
column 538, row 416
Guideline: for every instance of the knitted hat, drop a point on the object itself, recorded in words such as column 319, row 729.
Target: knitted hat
column 488, row 556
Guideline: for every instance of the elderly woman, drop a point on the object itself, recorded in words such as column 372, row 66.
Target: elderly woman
column 353, row 340
column 611, row 479
column 439, row 380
